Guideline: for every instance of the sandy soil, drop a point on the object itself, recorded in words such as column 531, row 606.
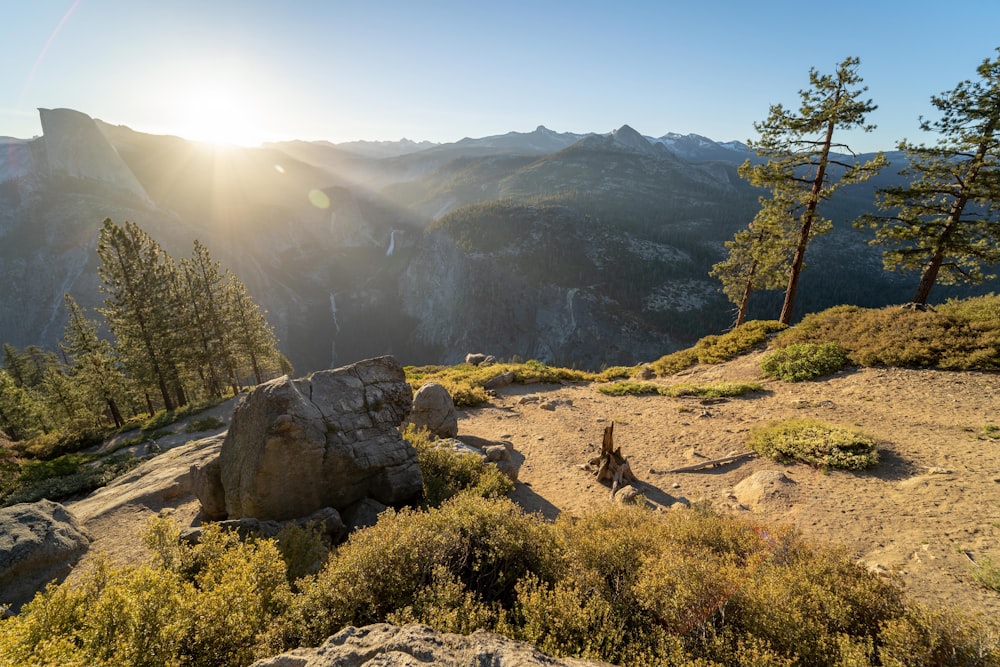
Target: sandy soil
column 927, row 513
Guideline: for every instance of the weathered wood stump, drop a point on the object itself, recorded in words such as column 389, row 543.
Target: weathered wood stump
column 612, row 467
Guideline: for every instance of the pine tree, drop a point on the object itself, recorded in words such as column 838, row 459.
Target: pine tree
column 253, row 336
column 21, row 415
column 945, row 223
column 141, row 281
column 800, row 162
column 206, row 287
column 91, row 361
column 759, row 256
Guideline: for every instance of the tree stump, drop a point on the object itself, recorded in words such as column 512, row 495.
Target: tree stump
column 611, row 465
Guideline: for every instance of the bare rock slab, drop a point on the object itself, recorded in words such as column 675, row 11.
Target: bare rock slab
column 384, row 644
column 326, row 440
column 39, row 542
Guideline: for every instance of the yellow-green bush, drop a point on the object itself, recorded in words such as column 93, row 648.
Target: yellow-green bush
column 165, row 613
column 742, row 339
column 816, row 443
column 960, row 336
column 707, row 390
column 621, row 584
column 487, row 545
column 446, row 473
column 803, row 361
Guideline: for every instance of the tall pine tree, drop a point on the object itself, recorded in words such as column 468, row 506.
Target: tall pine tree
column 92, row 362
column 802, row 159
column 140, row 280
column 945, row 223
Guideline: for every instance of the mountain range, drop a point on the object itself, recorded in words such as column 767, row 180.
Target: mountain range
column 576, row 249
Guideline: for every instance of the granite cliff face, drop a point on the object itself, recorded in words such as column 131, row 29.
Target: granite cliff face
column 75, row 147
column 571, row 249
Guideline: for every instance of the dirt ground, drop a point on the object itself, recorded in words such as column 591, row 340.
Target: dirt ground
column 927, row 513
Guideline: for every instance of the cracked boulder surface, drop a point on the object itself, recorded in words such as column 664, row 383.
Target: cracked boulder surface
column 327, row 440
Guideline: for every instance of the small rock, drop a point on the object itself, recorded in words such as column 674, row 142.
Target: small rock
column 548, row 405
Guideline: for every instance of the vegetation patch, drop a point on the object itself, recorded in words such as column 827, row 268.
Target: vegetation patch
column 66, row 476
column 446, row 473
column 717, row 349
column 803, row 361
column 987, row 574
column 465, row 382
column 708, row 390
column 961, row 335
column 200, row 424
column 816, row 443
column 622, row 585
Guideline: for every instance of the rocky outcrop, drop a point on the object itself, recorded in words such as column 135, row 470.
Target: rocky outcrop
column 384, row 644
column 327, row 440
column 160, row 482
column 75, row 146
column 434, row 409
column 39, row 542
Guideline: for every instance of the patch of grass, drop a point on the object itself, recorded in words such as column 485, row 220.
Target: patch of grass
column 717, row 349
column 987, row 574
column 803, row 361
column 67, row 476
column 465, row 382
column 200, row 424
column 742, row 339
column 961, row 335
column 629, row 388
column 816, row 443
column 712, row 389
column 709, row 390
column 990, row 432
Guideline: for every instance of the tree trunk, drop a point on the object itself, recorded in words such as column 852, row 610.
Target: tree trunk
column 807, row 219
column 116, row 414
column 741, row 313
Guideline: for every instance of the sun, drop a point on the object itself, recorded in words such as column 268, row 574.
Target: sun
column 218, row 112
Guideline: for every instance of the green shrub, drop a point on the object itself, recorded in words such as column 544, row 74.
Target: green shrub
column 815, row 443
column 487, row 545
column 708, row 390
column 66, row 476
column 621, row 584
column 803, row 361
column 200, row 424
column 158, row 614
column 675, row 362
column 987, row 574
column 961, row 336
column 742, row 339
column 446, row 473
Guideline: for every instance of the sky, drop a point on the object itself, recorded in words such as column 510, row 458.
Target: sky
column 247, row 71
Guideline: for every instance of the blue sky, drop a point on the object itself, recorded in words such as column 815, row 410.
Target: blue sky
column 250, row 70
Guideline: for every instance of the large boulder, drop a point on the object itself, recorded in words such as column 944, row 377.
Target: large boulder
column 434, row 409
column 39, row 542
column 384, row 644
column 327, row 440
